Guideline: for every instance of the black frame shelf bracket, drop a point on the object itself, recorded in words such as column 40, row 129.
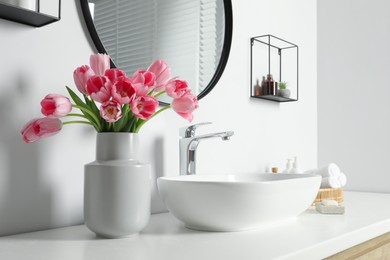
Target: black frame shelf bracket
column 26, row 16
column 266, row 40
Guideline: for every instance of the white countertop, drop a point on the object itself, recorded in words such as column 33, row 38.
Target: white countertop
column 311, row 236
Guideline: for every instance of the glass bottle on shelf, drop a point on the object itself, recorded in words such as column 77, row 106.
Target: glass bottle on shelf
column 257, row 88
column 272, row 85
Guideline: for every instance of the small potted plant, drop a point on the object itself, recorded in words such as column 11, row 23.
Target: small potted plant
column 283, row 91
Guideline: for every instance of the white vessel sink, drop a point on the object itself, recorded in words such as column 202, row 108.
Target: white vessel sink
column 237, row 202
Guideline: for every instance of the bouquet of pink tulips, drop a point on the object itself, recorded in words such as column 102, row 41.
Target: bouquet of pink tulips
column 125, row 103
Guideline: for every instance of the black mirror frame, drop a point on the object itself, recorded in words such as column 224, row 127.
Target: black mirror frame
column 224, row 55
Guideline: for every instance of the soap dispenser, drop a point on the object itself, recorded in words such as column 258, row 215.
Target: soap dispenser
column 289, row 166
column 296, row 168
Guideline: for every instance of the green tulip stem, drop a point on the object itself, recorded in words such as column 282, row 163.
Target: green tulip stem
column 161, row 110
column 77, row 122
column 89, row 112
column 159, row 94
column 77, row 115
column 155, row 114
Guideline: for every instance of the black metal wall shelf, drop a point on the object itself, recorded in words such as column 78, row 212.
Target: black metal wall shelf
column 26, row 16
column 267, row 54
column 275, row 98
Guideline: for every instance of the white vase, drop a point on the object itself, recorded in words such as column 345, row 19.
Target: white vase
column 116, row 187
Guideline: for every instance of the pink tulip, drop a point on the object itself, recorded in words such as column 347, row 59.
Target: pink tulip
column 99, row 63
column 143, row 82
column 39, row 128
column 123, row 91
column 99, row 88
column 81, row 76
column 163, row 74
column 148, row 79
column 144, row 107
column 113, row 74
column 111, row 111
column 177, row 88
column 185, row 105
column 56, row 106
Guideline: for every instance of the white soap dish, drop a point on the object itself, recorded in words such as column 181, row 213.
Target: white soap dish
column 329, row 207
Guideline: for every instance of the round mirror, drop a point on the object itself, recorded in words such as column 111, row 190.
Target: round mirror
column 193, row 37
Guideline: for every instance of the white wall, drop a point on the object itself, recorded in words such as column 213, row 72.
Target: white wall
column 41, row 183
column 353, row 90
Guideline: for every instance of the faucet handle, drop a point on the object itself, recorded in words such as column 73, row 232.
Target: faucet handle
column 189, row 131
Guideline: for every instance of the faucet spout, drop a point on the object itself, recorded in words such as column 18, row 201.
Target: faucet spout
column 188, row 147
column 224, row 135
column 196, row 140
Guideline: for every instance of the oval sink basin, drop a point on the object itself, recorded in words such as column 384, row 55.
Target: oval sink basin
column 237, row 202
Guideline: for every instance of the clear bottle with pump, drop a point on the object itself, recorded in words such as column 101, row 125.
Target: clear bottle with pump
column 296, row 168
column 289, row 166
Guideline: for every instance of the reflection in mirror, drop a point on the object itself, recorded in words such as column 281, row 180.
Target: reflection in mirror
column 189, row 35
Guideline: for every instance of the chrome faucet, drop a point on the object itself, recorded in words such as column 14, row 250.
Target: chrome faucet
column 188, row 144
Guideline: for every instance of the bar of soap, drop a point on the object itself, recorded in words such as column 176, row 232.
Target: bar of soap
column 330, row 208
column 329, row 203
